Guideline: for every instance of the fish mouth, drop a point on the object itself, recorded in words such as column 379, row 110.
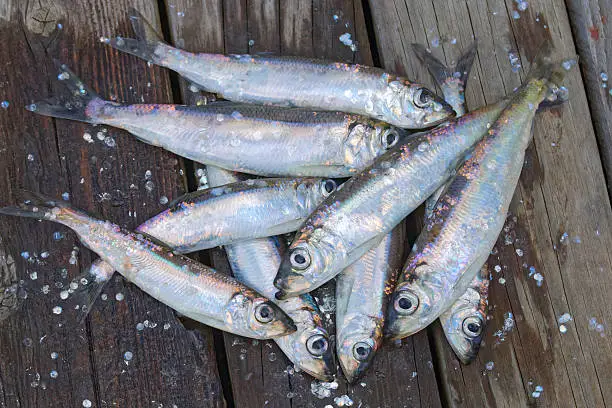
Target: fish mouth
column 290, row 284
column 321, row 369
column 441, row 112
column 282, row 326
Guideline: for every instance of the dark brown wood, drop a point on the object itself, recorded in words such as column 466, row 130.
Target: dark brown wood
column 591, row 26
column 560, row 185
column 170, row 365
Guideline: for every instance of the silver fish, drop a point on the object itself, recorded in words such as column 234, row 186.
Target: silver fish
column 467, row 219
column 185, row 285
column 464, row 322
column 293, row 81
column 237, row 212
column 362, row 292
column 255, row 263
column 260, row 140
column 355, row 218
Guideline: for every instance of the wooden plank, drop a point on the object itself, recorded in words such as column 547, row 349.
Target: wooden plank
column 170, row 365
column 593, row 38
column 562, row 190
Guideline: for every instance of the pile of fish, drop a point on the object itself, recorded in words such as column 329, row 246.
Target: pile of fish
column 343, row 166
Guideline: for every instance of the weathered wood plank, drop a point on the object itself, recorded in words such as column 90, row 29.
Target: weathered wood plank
column 593, row 38
column 170, row 365
column 562, row 190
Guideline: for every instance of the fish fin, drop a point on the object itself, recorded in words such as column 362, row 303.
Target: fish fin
column 81, row 105
column 90, row 285
column 441, row 72
column 146, row 41
column 35, row 205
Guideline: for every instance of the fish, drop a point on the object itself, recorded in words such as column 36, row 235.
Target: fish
column 187, row 286
column 468, row 217
column 356, row 217
column 362, row 293
column 464, row 322
column 255, row 263
column 293, row 81
column 260, row 140
column 238, row 211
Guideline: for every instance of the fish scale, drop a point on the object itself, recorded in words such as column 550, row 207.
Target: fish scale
column 187, row 286
column 293, row 81
column 466, row 220
column 354, row 219
column 254, row 263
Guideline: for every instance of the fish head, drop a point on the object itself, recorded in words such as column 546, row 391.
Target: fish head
column 266, row 320
column 310, row 192
column 413, row 305
column 464, row 327
column 421, row 108
column 357, row 343
column 313, row 352
column 307, row 264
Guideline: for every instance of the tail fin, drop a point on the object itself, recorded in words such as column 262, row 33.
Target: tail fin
column 441, row 73
column 88, row 285
column 80, row 105
column 36, row 206
column 452, row 81
column 147, row 39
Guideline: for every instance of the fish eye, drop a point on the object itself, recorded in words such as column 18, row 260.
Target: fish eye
column 389, row 138
column 300, row 258
column 328, row 187
column 361, row 350
column 264, row 313
column 472, row 326
column 406, row 302
column 423, row 98
column 317, row 345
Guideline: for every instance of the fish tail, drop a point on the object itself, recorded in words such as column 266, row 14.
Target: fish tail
column 146, row 41
column 82, row 104
column 88, row 285
column 443, row 74
column 37, row 206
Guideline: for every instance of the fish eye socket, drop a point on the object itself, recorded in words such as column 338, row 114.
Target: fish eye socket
column 317, row 345
column 472, row 326
column 264, row 313
column 328, row 187
column 300, row 259
column 389, row 138
column 406, row 302
column 423, row 98
column 361, row 350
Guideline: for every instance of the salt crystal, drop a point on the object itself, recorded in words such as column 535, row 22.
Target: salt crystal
column 166, row 326
column 519, row 252
column 603, row 76
column 87, row 137
column 562, row 329
column 64, row 294
column 86, row 403
column 53, row 374
column 54, row 355
column 564, row 318
column 343, row 401
column 57, row 310
column 502, row 281
column 109, row 141
column 127, row 356
column 4, row 104
column 538, row 278
column 33, row 275
column 139, row 326
column 163, row 200
column 453, row 41
column 148, row 174
column 435, row 42
column 119, row 297
column 489, row 365
column 251, row 43
column 149, row 186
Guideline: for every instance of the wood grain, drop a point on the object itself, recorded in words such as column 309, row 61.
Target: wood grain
column 562, row 189
column 170, row 364
column 591, row 26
